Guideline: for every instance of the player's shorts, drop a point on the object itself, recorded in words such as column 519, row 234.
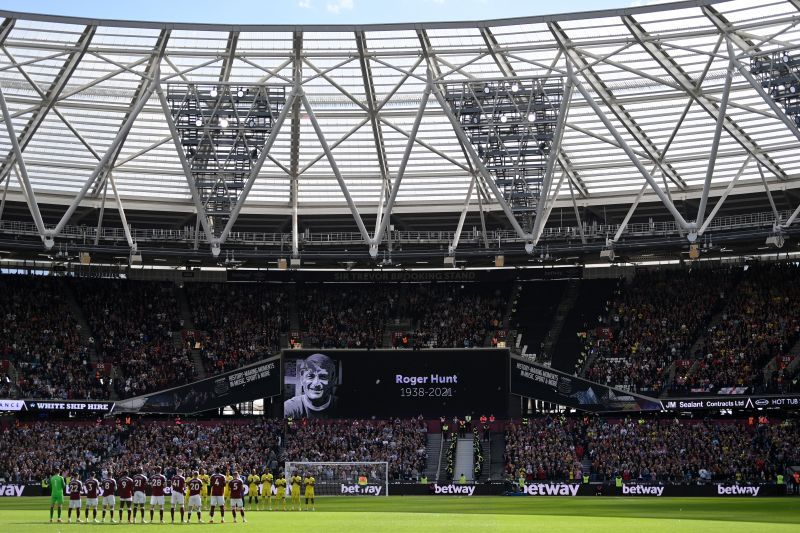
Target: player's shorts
column 139, row 498
column 266, row 490
column 195, row 501
column 157, row 500
column 237, row 503
column 109, row 500
column 253, row 490
column 57, row 499
column 126, row 500
column 177, row 498
column 295, row 492
column 217, row 500
column 281, row 493
column 74, row 504
column 204, row 492
column 309, row 493
column 91, row 502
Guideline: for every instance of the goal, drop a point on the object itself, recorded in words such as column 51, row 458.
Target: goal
column 344, row 479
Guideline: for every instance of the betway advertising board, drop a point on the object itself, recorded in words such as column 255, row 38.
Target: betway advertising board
column 547, row 488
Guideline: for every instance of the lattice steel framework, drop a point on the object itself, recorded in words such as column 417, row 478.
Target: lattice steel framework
column 662, row 103
column 223, row 129
column 511, row 124
column 779, row 73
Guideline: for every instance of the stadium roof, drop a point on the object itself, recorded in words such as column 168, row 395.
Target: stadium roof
column 655, row 74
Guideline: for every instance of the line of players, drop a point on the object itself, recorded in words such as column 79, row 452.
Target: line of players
column 132, row 494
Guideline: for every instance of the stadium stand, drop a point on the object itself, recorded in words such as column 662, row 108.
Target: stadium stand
column 759, row 325
column 133, row 325
column 237, row 323
column 650, row 323
column 678, row 451
column 32, row 451
column 40, row 339
column 401, row 443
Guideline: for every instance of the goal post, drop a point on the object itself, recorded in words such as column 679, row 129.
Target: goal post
column 369, row 478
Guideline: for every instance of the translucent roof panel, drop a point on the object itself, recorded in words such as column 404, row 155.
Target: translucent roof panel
column 655, row 74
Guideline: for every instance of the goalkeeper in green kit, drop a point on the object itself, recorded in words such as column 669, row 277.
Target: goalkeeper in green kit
column 57, row 484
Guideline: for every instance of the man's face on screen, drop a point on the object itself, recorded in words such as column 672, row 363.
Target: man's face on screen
column 317, row 382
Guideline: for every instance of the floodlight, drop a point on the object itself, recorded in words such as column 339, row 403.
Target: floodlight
column 213, row 92
column 198, row 122
column 532, row 117
column 223, row 122
column 515, row 87
column 503, row 119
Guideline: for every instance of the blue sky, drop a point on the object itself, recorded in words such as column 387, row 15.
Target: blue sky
column 308, row 11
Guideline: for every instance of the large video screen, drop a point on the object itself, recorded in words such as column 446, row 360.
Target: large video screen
column 389, row 383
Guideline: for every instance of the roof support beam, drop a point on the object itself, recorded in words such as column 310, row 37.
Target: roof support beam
column 712, row 158
column 30, row 196
column 294, row 148
column 460, row 226
column 51, row 95
column 692, row 89
column 362, row 229
column 230, row 55
column 627, row 149
column 377, row 132
column 496, row 52
column 373, row 249
column 541, row 216
column 769, row 197
column 577, row 211
column 724, row 196
column 575, row 57
column 152, row 67
column 103, row 164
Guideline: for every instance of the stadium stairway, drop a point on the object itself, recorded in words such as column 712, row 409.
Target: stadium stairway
column 465, row 461
column 186, row 310
column 85, row 331
column 497, row 448
column 534, row 305
column 590, row 302
column 433, row 449
column 568, row 298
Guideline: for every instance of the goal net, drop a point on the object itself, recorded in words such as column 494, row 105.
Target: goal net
column 344, row 479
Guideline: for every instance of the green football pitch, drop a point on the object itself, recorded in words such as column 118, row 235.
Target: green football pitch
column 463, row 514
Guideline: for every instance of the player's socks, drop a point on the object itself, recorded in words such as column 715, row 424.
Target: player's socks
column 152, row 512
column 181, row 514
column 172, row 513
column 161, row 515
column 104, row 515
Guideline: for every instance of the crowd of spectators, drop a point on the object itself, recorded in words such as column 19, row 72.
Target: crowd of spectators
column 760, row 322
column 675, row 451
column 401, row 443
column 545, row 449
column 454, row 315
column 651, row 322
column 241, row 323
column 133, row 325
column 346, row 316
column 690, row 451
column 33, row 451
column 40, row 337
